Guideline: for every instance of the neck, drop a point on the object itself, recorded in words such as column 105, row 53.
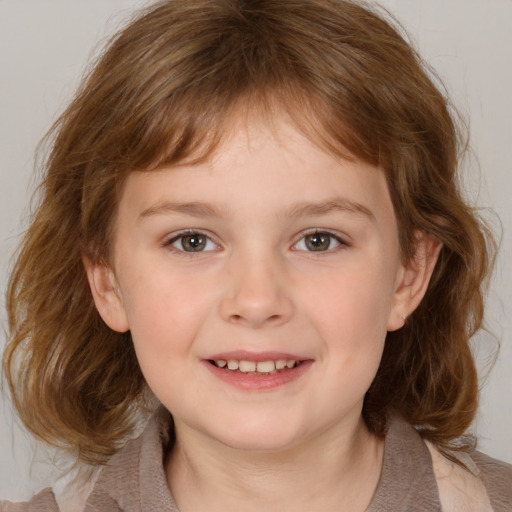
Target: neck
column 335, row 471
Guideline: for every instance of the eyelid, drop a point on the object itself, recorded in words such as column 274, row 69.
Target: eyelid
column 173, row 237
column 341, row 239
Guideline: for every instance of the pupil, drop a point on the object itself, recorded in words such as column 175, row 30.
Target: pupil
column 318, row 242
column 194, row 243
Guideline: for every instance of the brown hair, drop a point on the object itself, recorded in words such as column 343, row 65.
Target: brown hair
column 164, row 91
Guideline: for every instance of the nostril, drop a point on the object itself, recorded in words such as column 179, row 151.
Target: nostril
column 274, row 318
column 235, row 318
column 244, row 310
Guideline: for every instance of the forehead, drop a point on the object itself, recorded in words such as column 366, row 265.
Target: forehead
column 269, row 166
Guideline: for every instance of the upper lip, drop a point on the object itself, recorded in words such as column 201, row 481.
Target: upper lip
column 243, row 355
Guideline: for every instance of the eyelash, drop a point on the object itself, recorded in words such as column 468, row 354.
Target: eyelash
column 190, row 233
column 332, row 237
column 170, row 243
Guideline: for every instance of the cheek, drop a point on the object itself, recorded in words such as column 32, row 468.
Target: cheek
column 165, row 317
column 350, row 311
column 165, row 313
column 354, row 302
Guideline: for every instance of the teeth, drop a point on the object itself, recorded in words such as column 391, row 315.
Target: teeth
column 247, row 366
column 232, row 365
column 265, row 366
column 255, row 367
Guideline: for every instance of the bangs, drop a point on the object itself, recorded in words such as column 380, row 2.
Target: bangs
column 189, row 132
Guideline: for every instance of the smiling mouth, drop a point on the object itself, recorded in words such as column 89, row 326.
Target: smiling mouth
column 270, row 367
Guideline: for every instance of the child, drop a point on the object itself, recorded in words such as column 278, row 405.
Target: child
column 251, row 215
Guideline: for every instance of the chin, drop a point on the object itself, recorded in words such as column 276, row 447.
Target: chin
column 259, row 436
column 256, row 443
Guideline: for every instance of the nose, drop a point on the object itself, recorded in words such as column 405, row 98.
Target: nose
column 257, row 294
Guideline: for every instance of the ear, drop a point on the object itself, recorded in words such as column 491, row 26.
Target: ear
column 413, row 279
column 107, row 298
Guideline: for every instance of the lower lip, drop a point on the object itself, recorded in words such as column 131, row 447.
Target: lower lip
column 251, row 382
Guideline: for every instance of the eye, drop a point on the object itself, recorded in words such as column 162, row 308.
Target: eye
column 318, row 242
column 192, row 242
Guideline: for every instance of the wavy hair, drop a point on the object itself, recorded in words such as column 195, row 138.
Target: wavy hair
column 163, row 92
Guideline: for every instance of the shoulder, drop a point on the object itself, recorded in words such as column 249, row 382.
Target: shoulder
column 497, row 478
column 134, row 475
column 69, row 494
column 483, row 484
column 425, row 479
column 42, row 502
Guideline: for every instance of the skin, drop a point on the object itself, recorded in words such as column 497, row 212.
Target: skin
column 257, row 286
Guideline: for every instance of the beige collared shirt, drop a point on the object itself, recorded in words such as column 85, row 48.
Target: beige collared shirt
column 415, row 478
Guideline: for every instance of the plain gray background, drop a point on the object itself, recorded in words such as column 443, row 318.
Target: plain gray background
column 44, row 47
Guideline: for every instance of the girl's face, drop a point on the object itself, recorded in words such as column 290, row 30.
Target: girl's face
column 273, row 254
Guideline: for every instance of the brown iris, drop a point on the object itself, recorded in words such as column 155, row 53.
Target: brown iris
column 193, row 243
column 318, row 241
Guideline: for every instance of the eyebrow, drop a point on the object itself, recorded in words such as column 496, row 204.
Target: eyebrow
column 200, row 209
column 337, row 204
column 194, row 209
